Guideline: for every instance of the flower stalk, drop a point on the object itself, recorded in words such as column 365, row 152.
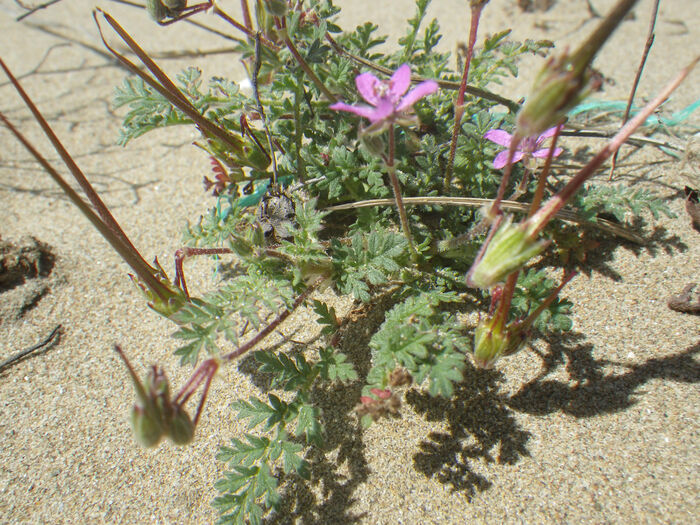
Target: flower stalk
column 477, row 6
column 494, row 337
column 396, row 187
column 545, row 214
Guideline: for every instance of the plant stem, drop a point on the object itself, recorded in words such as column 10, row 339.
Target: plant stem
column 637, row 77
column 299, row 133
column 262, row 334
column 542, row 179
column 127, row 252
column 506, row 298
column 550, row 298
column 396, row 186
column 282, row 26
column 476, row 8
column 246, row 15
column 496, row 206
column 540, row 219
column 512, row 106
column 166, row 86
column 248, row 31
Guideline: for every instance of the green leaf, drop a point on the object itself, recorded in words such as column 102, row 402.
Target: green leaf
column 326, row 317
column 333, row 366
column 255, row 410
column 309, row 424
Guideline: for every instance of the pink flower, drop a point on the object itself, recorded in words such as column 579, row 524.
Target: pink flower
column 529, row 147
column 388, row 98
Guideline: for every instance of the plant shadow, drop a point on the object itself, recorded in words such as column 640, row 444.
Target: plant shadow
column 338, row 469
column 591, row 390
column 481, row 427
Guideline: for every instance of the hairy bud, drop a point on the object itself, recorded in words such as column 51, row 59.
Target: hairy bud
column 492, row 340
column 510, row 248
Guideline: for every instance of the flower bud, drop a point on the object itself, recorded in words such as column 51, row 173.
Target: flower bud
column 510, row 248
column 492, row 340
column 181, row 428
column 556, row 90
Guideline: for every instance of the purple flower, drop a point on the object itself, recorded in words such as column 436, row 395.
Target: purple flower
column 388, row 98
column 529, row 147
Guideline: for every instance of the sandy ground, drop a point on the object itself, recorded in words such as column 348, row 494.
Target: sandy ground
column 600, row 426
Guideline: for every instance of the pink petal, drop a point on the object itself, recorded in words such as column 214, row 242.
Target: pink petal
column 366, row 84
column 384, row 110
column 400, row 81
column 547, row 134
column 421, row 90
column 500, row 137
column 502, row 158
column 363, row 111
column 542, row 153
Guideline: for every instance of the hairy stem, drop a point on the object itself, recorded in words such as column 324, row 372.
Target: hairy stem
column 542, row 179
column 282, row 26
column 476, row 9
column 396, row 186
column 496, row 206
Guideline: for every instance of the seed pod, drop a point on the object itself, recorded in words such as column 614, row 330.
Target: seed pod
column 147, row 425
column 181, row 428
column 492, row 340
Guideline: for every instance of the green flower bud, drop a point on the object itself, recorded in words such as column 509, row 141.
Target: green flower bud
column 557, row 89
column 181, row 428
column 492, row 340
column 510, row 248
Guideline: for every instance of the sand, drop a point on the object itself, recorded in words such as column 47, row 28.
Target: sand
column 598, row 426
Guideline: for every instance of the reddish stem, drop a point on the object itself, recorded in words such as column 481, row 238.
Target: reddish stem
column 542, row 180
column 183, row 253
column 262, row 334
column 496, row 206
column 476, row 9
column 540, row 220
column 396, row 186
column 246, row 15
column 248, row 31
column 282, row 26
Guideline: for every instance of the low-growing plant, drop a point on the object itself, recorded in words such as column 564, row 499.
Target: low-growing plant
column 377, row 174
